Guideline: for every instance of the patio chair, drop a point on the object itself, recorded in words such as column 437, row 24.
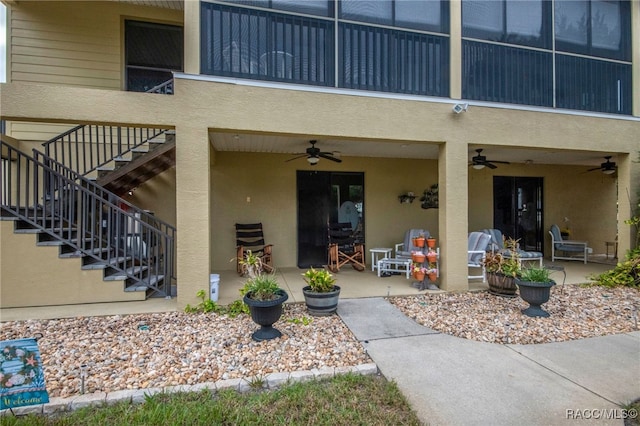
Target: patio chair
column 496, row 244
column 343, row 248
column 476, row 253
column 249, row 236
column 573, row 250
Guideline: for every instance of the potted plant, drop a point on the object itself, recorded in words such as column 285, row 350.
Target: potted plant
column 431, row 242
column 502, row 269
column 535, row 289
column 419, row 240
column 419, row 272
column 320, row 294
column 432, row 273
column 418, row 256
column 264, row 297
column 251, row 265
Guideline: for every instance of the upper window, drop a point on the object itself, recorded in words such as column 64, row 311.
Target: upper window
column 597, row 28
column 429, row 15
column 526, row 22
column 152, row 52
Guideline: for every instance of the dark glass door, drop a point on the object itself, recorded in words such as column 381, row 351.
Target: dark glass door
column 325, row 197
column 518, row 210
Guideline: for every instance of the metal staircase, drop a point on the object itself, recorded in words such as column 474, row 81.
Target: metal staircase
column 68, row 208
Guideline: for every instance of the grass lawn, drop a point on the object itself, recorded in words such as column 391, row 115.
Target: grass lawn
column 344, row 400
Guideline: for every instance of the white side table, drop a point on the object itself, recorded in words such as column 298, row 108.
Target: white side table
column 375, row 255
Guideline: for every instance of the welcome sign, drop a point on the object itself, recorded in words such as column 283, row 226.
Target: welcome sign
column 21, row 374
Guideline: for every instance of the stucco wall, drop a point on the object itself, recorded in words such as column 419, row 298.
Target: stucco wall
column 33, row 275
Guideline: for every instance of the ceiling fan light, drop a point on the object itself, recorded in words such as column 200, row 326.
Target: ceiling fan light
column 608, row 171
column 478, row 166
column 313, row 160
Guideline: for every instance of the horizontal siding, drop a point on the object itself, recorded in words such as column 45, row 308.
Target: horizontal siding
column 70, row 43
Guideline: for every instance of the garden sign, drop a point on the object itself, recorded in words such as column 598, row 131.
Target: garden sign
column 21, row 375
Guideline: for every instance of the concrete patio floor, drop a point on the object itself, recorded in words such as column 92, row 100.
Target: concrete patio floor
column 354, row 285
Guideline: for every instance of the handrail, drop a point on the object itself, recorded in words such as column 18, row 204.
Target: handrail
column 89, row 219
column 165, row 88
column 88, row 147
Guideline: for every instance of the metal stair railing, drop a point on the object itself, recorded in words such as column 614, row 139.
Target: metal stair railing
column 91, row 221
column 88, row 147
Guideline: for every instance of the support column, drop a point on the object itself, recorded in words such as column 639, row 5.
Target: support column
column 193, row 221
column 453, row 215
column 635, row 57
column 455, row 49
column 192, row 37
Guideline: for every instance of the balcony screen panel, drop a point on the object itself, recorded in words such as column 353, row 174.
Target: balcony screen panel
column 310, row 7
column 593, row 85
column 526, row 23
column 422, row 15
column 373, row 11
column 506, row 74
column 393, row 61
column 264, row 45
column 606, row 25
column 602, row 30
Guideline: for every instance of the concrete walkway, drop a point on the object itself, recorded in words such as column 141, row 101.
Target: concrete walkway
column 454, row 381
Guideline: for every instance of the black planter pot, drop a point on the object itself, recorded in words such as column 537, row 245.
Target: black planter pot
column 501, row 285
column 535, row 294
column 321, row 304
column 265, row 313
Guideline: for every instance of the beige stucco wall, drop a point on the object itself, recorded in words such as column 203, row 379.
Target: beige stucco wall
column 33, row 275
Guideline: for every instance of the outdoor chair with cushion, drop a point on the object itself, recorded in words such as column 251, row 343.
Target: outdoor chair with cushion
column 249, row 236
column 573, row 250
column 496, row 244
column 343, row 248
column 476, row 253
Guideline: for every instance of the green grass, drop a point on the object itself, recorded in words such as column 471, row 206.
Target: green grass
column 344, row 400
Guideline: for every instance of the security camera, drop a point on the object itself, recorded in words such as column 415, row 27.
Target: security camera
column 458, row 108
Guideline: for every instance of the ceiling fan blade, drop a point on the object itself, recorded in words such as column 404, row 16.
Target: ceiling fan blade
column 499, row 162
column 595, row 168
column 491, row 166
column 329, row 157
column 295, row 158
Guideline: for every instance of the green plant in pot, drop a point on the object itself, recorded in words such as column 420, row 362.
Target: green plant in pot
column 502, row 269
column 251, row 265
column 535, row 289
column 264, row 297
column 320, row 294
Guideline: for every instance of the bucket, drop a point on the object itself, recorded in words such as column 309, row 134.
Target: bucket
column 214, row 286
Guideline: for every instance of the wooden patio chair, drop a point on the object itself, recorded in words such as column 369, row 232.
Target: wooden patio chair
column 249, row 236
column 343, row 248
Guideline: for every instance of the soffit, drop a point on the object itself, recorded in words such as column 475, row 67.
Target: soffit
column 165, row 4
column 275, row 144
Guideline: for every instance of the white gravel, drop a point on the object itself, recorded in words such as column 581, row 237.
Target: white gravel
column 577, row 312
column 186, row 349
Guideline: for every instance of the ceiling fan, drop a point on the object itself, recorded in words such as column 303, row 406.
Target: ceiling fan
column 608, row 167
column 314, row 154
column 480, row 161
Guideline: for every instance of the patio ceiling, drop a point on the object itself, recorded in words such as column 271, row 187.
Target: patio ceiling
column 244, row 142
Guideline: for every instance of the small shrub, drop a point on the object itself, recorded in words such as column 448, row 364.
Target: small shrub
column 535, row 275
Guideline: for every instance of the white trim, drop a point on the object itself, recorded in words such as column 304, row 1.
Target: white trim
column 396, row 96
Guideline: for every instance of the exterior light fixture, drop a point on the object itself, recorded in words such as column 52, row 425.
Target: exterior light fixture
column 458, row 108
column 478, row 166
column 608, row 171
column 313, row 160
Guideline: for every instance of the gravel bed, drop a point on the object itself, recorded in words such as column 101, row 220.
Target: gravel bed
column 577, row 312
column 175, row 348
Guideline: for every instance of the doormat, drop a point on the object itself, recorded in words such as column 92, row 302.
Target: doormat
column 21, row 375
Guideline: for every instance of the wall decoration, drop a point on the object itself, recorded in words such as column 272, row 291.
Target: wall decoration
column 429, row 199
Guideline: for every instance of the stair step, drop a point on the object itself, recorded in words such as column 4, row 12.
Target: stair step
column 117, row 275
column 153, row 280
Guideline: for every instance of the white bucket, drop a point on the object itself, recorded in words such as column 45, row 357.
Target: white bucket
column 214, row 286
